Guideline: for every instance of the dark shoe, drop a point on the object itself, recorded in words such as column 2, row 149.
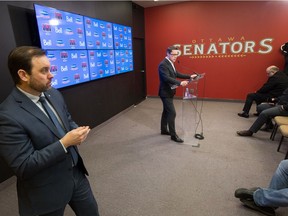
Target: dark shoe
column 243, row 114
column 256, row 114
column 243, row 193
column 245, row 133
column 165, row 133
column 264, row 210
column 177, row 139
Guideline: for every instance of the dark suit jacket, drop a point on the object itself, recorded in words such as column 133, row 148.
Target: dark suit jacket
column 275, row 85
column 167, row 78
column 29, row 143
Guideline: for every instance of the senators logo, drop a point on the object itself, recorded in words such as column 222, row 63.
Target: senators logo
column 79, row 31
column 53, row 68
column 46, row 27
column 88, row 21
column 231, row 47
column 76, row 76
column 84, row 64
column 63, row 55
column 72, row 42
column 58, row 16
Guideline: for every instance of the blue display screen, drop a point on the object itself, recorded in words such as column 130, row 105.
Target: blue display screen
column 101, row 63
column 99, row 34
column 69, row 67
column 122, row 36
column 59, row 29
column 124, row 61
column 81, row 48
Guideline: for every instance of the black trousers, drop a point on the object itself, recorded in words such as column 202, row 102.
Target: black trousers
column 82, row 202
column 257, row 97
column 168, row 116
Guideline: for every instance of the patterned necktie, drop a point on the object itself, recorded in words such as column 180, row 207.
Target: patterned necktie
column 59, row 127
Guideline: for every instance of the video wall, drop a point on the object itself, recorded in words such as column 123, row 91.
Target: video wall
column 81, row 48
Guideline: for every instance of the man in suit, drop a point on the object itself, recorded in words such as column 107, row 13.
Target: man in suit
column 277, row 82
column 50, row 171
column 167, row 90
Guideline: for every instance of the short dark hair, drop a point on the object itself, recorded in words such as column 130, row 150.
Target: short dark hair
column 21, row 58
column 171, row 48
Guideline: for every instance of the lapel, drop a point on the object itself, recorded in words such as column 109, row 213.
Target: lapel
column 172, row 72
column 53, row 101
column 30, row 107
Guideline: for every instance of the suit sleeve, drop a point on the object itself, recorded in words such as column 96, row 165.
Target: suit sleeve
column 268, row 86
column 182, row 76
column 19, row 152
column 164, row 75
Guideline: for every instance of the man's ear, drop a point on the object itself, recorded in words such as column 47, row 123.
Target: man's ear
column 23, row 75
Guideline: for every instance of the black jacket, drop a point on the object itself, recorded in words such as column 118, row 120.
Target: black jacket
column 167, row 77
column 275, row 85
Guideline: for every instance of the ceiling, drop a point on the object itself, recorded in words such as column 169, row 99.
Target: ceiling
column 151, row 3
column 146, row 4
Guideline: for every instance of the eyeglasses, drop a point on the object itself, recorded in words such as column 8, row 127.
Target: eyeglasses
column 174, row 54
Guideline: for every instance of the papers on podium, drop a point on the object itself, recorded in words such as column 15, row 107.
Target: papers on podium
column 199, row 76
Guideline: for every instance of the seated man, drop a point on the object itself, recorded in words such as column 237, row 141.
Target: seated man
column 267, row 200
column 267, row 112
column 277, row 82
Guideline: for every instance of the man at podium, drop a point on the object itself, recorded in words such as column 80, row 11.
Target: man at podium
column 167, row 90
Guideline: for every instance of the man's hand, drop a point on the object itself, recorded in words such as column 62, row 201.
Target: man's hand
column 75, row 136
column 184, row 83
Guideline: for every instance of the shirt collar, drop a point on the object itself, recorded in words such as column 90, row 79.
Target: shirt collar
column 169, row 60
column 30, row 96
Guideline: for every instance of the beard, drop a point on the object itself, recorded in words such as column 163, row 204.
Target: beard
column 38, row 86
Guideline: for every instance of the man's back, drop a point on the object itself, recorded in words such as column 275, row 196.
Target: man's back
column 275, row 85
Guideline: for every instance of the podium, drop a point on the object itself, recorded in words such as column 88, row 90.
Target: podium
column 191, row 117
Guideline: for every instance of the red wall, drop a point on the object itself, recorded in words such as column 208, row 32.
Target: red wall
column 229, row 75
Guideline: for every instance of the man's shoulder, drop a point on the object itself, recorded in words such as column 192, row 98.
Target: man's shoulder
column 280, row 76
column 53, row 92
column 164, row 61
column 12, row 97
column 10, row 104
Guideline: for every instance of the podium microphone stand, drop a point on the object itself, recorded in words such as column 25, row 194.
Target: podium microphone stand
column 190, row 115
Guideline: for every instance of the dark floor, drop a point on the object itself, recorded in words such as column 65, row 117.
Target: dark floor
column 135, row 171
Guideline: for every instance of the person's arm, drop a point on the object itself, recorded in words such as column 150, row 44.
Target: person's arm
column 164, row 75
column 268, row 86
column 183, row 76
column 18, row 150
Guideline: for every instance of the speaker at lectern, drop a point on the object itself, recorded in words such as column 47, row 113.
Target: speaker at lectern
column 190, row 114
